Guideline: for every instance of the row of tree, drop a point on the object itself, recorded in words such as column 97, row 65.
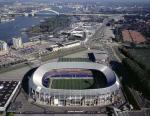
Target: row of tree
column 141, row 57
column 54, row 23
column 136, row 77
column 50, row 25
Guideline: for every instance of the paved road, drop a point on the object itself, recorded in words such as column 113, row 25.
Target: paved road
column 15, row 74
column 99, row 34
column 18, row 74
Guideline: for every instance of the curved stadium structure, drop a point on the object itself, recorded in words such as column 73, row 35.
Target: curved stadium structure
column 74, row 84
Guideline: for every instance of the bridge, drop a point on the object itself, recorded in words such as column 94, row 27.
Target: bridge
column 67, row 14
column 35, row 12
column 46, row 9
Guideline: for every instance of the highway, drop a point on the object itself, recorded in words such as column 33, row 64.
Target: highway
column 100, row 40
column 91, row 42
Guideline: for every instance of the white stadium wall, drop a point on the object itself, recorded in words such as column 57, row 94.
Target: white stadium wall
column 83, row 98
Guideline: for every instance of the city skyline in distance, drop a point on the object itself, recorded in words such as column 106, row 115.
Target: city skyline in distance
column 75, row 1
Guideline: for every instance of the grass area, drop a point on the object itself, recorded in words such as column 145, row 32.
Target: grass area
column 62, row 53
column 13, row 67
column 74, row 60
column 77, row 84
column 10, row 114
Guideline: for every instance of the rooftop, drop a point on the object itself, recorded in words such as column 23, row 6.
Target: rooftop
column 7, row 89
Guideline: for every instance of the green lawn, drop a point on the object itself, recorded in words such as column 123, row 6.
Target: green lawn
column 77, row 84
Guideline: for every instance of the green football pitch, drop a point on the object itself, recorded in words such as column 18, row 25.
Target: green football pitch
column 77, row 84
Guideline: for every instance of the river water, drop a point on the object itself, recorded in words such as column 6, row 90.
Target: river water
column 15, row 28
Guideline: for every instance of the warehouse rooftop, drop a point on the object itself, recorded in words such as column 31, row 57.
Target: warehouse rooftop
column 7, row 91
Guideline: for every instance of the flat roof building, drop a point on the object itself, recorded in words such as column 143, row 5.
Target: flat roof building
column 17, row 43
column 3, row 47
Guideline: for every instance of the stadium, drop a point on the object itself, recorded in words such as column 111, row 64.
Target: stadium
column 74, row 84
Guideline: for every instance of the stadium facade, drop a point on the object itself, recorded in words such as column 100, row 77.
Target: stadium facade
column 44, row 95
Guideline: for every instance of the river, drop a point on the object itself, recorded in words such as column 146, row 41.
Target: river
column 15, row 28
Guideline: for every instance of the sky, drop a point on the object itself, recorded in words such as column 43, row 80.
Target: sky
column 83, row 0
